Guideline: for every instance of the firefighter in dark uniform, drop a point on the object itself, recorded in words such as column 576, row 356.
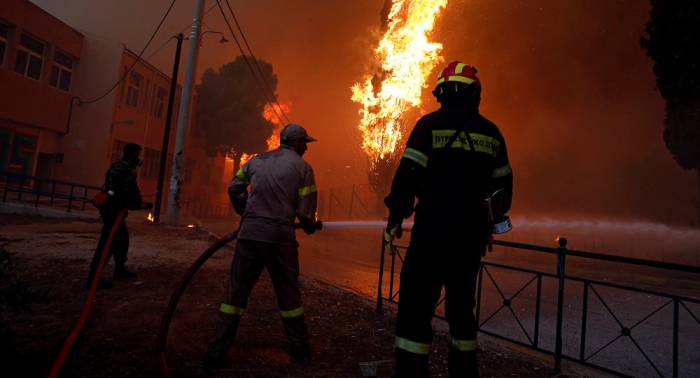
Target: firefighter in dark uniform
column 123, row 193
column 453, row 160
column 282, row 190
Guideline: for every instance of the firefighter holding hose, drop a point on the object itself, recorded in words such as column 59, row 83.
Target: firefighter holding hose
column 454, row 159
column 282, row 190
column 120, row 192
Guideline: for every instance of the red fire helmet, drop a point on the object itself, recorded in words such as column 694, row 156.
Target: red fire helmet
column 459, row 72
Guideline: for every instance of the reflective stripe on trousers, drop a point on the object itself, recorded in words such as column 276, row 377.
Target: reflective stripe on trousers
column 293, row 313
column 230, row 309
column 463, row 345
column 411, row 346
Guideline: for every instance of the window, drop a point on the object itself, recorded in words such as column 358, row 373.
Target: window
column 61, row 71
column 147, row 96
column 30, row 57
column 159, row 103
column 132, row 91
column 4, row 32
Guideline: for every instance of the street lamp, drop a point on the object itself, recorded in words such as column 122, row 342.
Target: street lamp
column 221, row 40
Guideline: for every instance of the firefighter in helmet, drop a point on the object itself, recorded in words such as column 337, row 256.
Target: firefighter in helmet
column 454, row 159
column 282, row 190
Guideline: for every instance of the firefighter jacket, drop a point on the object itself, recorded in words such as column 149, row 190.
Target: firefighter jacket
column 120, row 184
column 282, row 189
column 451, row 182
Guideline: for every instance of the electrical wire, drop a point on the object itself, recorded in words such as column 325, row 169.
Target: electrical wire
column 255, row 60
column 165, row 43
column 250, row 66
column 138, row 58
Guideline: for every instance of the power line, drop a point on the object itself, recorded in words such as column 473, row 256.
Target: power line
column 245, row 59
column 165, row 43
column 138, row 58
column 255, row 60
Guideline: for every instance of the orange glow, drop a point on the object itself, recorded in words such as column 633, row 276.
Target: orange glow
column 404, row 58
column 273, row 141
column 150, row 217
column 245, row 157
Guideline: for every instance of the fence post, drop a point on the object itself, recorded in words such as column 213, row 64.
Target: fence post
column 381, row 277
column 561, row 269
column 584, row 320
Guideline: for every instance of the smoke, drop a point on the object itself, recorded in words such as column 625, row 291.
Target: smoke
column 566, row 81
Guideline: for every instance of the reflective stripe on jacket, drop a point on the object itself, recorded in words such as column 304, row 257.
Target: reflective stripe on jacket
column 450, row 175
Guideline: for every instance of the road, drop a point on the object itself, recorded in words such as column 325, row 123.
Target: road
column 349, row 258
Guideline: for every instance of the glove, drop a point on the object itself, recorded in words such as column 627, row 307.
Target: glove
column 146, row 205
column 308, row 225
column 393, row 229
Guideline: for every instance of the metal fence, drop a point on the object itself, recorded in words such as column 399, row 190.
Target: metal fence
column 39, row 191
column 356, row 201
column 626, row 320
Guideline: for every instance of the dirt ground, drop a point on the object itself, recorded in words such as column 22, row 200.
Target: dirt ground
column 120, row 336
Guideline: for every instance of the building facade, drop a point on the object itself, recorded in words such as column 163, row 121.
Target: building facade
column 70, row 100
column 39, row 55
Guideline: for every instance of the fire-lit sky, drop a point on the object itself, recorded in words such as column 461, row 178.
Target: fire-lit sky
column 566, row 81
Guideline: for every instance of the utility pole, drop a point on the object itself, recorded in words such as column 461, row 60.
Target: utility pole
column 176, row 178
column 166, row 132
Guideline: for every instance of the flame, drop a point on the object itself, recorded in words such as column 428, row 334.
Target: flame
column 273, row 142
column 150, row 217
column 245, row 157
column 269, row 114
column 404, row 57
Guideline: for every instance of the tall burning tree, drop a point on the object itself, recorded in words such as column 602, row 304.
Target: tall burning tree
column 403, row 59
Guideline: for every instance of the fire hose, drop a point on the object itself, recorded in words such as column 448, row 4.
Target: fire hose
column 177, row 293
column 68, row 344
column 180, row 289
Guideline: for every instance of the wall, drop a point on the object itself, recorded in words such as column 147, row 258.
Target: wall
column 86, row 146
column 32, row 108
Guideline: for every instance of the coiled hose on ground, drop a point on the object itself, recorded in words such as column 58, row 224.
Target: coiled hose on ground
column 177, row 293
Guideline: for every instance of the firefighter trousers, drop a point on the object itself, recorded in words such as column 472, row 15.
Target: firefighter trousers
column 282, row 263
column 120, row 243
column 426, row 270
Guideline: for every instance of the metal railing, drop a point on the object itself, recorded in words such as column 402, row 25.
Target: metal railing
column 680, row 304
column 39, row 191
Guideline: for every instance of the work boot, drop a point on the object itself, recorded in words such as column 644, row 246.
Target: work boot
column 121, row 273
column 463, row 364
